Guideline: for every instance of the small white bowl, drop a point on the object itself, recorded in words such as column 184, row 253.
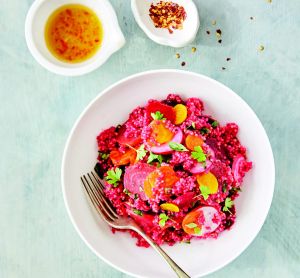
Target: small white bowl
column 37, row 16
column 180, row 37
column 201, row 257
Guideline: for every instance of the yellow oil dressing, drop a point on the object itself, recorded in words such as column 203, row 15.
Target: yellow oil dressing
column 73, row 33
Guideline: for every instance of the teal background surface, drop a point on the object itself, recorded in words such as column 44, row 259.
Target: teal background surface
column 38, row 109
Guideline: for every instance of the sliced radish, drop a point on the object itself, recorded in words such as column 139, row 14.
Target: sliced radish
column 135, row 176
column 165, row 148
column 239, row 167
column 201, row 167
column 206, row 218
column 212, row 220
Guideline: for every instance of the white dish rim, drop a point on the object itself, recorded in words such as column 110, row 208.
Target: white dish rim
column 106, row 91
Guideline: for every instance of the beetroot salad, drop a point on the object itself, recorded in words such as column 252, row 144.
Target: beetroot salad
column 175, row 170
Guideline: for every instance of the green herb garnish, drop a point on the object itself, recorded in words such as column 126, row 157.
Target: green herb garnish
column 157, row 116
column 197, row 230
column 104, row 156
column 153, row 157
column 141, row 152
column 114, row 176
column 177, row 147
column 228, row 204
column 191, row 225
column 204, row 191
column 163, row 219
column 204, row 130
column 138, row 212
column 214, row 124
column 126, row 191
column 198, row 154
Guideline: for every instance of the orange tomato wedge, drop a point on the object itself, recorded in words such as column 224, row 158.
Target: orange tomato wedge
column 169, row 207
column 209, row 180
column 192, row 141
column 119, row 158
column 160, row 133
column 180, row 113
column 168, row 176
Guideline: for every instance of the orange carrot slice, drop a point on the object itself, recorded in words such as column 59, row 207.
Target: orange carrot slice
column 169, row 176
column 169, row 207
column 160, row 133
column 191, row 141
column 209, row 180
column 180, row 113
column 149, row 183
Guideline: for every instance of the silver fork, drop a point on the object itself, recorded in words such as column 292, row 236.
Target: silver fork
column 94, row 189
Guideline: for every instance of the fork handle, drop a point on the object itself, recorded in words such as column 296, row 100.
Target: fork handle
column 180, row 273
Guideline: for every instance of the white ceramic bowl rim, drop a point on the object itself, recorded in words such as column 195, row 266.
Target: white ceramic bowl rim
column 272, row 167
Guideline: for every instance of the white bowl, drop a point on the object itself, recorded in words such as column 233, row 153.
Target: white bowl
column 36, row 19
column 111, row 107
column 179, row 38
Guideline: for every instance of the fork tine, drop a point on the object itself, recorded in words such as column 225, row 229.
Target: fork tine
column 97, row 178
column 97, row 204
column 91, row 198
column 100, row 199
column 103, row 197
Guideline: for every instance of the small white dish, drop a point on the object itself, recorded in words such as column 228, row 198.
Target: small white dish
column 201, row 257
column 36, row 19
column 180, row 37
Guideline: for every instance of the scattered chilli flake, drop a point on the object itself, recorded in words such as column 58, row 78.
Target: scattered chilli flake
column 167, row 15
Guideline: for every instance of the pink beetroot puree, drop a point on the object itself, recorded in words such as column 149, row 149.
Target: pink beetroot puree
column 175, row 170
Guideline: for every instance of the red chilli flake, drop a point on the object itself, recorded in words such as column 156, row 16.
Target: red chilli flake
column 167, row 15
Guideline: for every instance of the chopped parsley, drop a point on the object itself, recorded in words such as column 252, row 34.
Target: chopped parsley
column 191, row 225
column 204, row 130
column 157, row 116
column 228, row 204
column 126, row 191
column 114, row 176
column 214, row 124
column 163, row 219
column 204, row 191
column 197, row 231
column 198, row 154
column 138, row 212
column 153, row 157
column 177, row 147
column 104, row 156
column 141, row 152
